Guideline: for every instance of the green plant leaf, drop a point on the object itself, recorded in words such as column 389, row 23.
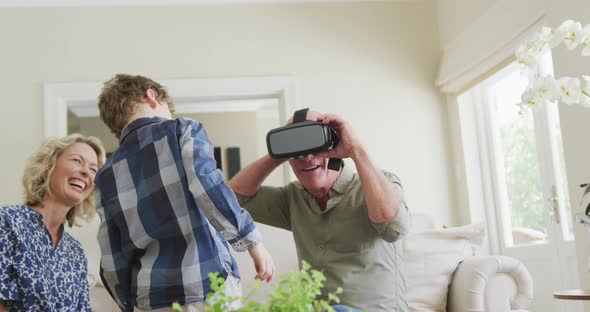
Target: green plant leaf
column 177, row 307
column 297, row 291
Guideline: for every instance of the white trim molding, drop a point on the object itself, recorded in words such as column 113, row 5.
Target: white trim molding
column 190, row 95
column 251, row 105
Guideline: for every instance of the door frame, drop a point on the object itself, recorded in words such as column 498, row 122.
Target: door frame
column 190, row 95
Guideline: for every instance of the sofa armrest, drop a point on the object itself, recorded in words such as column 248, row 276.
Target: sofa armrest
column 490, row 283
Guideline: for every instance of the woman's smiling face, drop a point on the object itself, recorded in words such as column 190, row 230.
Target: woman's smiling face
column 72, row 178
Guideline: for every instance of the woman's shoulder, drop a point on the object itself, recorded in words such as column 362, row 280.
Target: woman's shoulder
column 19, row 219
column 9, row 212
column 4, row 208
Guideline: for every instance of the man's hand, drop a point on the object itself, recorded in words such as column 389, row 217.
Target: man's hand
column 382, row 198
column 265, row 266
column 349, row 144
column 2, row 308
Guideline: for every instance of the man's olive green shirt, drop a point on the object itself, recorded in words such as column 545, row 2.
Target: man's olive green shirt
column 362, row 257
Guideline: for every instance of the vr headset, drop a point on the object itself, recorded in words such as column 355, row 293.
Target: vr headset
column 301, row 138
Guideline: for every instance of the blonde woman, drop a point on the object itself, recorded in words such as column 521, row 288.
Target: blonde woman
column 42, row 267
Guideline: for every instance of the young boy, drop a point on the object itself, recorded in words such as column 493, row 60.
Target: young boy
column 167, row 212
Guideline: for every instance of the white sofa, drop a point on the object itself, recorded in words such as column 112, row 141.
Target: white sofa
column 490, row 283
column 441, row 264
column 445, row 270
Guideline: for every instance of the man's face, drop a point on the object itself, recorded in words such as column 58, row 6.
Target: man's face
column 312, row 171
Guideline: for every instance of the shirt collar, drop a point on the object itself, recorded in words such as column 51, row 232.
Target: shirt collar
column 138, row 123
column 33, row 213
column 36, row 215
column 346, row 176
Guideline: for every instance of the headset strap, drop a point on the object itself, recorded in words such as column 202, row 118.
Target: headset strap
column 300, row 115
column 335, row 164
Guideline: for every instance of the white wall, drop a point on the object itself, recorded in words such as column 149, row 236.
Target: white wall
column 373, row 63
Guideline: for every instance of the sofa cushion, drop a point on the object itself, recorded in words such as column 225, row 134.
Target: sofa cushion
column 86, row 233
column 423, row 222
column 430, row 259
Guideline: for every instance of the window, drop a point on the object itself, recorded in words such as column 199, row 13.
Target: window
column 522, row 157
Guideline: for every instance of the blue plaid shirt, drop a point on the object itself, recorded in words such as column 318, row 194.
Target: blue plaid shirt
column 167, row 215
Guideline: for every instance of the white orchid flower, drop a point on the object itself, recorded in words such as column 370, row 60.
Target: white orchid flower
column 585, row 97
column 561, row 32
column 586, row 40
column 530, row 99
column 569, row 89
column 546, row 88
column 526, row 50
column 543, row 90
column 525, row 57
column 549, row 36
column 571, row 34
column 535, row 45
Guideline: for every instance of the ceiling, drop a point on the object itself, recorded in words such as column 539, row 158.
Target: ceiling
column 72, row 3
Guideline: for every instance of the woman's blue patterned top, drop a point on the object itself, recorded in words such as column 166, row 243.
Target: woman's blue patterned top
column 35, row 276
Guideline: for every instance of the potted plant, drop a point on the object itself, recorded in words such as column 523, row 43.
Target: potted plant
column 297, row 290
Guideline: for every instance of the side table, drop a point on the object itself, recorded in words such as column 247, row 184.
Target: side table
column 572, row 294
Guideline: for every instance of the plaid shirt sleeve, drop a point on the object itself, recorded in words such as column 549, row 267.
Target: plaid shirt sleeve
column 114, row 266
column 210, row 191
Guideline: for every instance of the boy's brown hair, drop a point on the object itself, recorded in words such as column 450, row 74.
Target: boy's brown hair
column 121, row 93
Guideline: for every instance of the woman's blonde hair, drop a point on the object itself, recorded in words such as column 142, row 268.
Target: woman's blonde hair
column 39, row 172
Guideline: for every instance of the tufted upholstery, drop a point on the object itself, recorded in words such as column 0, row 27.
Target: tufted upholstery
column 483, row 283
column 490, row 283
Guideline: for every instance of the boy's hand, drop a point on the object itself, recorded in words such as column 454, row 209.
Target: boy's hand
column 265, row 266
